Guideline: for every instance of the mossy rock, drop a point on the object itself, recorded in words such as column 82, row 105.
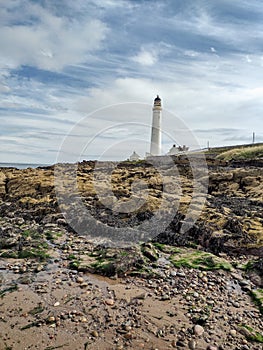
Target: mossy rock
column 197, row 259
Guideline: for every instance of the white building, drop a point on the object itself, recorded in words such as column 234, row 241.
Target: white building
column 176, row 150
column 134, row 157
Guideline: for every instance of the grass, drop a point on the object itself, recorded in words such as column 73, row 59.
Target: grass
column 252, row 152
column 199, row 260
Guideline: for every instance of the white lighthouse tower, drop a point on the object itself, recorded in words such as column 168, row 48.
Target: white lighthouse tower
column 156, row 138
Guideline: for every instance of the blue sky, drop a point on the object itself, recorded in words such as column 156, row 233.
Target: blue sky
column 63, row 63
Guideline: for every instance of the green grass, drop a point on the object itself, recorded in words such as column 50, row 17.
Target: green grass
column 199, row 260
column 252, row 152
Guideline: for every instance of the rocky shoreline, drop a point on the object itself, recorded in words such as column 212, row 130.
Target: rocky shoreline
column 201, row 290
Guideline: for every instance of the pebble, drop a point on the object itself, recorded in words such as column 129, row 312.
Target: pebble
column 181, row 274
column 51, row 319
column 233, row 332
column 192, row 344
column 80, row 279
column 109, row 302
column 128, row 335
column 180, row 343
column 174, row 344
column 94, row 334
column 198, row 330
column 57, row 303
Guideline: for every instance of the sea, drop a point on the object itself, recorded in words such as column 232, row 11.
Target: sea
column 21, row 165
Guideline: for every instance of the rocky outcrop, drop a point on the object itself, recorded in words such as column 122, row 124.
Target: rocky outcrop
column 2, row 183
column 229, row 219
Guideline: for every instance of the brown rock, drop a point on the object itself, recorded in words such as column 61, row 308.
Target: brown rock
column 109, row 302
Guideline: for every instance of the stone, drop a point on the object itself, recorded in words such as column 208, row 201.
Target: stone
column 51, row 319
column 80, row 279
column 173, row 343
column 198, row 330
column 128, row 336
column 233, row 332
column 180, row 344
column 94, row 333
column 109, row 302
column 192, row 344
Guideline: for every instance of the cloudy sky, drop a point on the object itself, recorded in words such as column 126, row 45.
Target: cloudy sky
column 87, row 71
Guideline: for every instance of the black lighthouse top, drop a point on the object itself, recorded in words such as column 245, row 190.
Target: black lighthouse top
column 157, row 101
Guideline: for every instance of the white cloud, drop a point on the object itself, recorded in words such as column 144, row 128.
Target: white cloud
column 50, row 42
column 189, row 61
column 112, row 3
column 146, row 57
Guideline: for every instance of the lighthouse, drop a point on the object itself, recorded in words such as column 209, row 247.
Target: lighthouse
column 156, row 138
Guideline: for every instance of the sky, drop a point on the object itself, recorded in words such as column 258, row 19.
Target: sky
column 78, row 78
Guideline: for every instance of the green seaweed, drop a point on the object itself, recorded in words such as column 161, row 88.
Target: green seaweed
column 257, row 296
column 8, row 290
column 30, row 325
column 253, row 336
column 56, row 347
column 36, row 310
column 199, row 260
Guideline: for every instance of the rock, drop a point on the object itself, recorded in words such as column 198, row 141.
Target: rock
column 128, row 336
column 109, row 302
column 150, row 252
column 57, row 304
column 192, row 344
column 80, row 279
column 198, row 330
column 180, row 344
column 233, row 332
column 94, row 334
column 174, row 344
column 141, row 296
column 51, row 319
